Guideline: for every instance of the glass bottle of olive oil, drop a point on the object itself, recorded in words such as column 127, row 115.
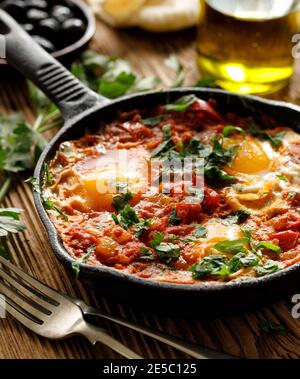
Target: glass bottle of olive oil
column 247, row 44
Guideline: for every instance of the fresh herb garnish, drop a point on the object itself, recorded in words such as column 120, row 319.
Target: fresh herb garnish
column 212, row 265
column 10, row 221
column 232, row 246
column 48, row 176
column 181, row 104
column 166, row 251
column 120, row 201
column 34, row 181
column 230, row 129
column 274, row 139
column 83, row 259
column 200, row 231
column 269, row 246
column 174, row 219
column 282, row 177
column 153, row 121
column 166, row 144
column 269, row 267
column 142, row 227
column 50, row 205
column 146, row 254
column 270, row 327
column 110, row 76
column 126, row 218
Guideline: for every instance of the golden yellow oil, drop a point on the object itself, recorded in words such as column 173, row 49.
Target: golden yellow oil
column 246, row 44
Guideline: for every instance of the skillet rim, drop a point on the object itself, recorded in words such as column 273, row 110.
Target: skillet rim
column 105, row 271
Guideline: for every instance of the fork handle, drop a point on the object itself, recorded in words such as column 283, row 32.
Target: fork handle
column 189, row 348
column 95, row 334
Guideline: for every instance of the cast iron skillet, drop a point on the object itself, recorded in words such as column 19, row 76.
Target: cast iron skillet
column 82, row 108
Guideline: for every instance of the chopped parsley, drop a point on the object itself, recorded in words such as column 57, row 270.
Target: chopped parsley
column 120, row 201
column 166, row 251
column 270, row 327
column 181, row 104
column 274, row 139
column 174, row 219
column 83, row 259
column 126, row 218
column 142, row 227
column 146, row 254
column 230, row 129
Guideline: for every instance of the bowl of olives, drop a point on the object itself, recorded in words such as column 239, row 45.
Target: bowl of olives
column 61, row 27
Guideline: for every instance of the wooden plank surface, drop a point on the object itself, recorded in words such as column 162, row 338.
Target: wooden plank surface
column 240, row 335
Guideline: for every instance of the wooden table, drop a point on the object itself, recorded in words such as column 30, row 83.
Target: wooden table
column 240, row 335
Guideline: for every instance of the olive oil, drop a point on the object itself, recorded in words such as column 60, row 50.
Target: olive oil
column 246, row 44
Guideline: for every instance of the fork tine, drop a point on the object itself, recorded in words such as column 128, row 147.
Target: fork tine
column 23, row 304
column 45, row 290
column 19, row 316
column 26, row 291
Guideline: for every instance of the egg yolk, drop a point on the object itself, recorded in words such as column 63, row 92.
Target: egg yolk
column 113, row 173
column 216, row 232
column 250, row 157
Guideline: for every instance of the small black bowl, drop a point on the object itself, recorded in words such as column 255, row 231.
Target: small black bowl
column 67, row 54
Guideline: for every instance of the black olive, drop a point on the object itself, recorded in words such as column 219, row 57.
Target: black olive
column 48, row 28
column 28, row 27
column 74, row 29
column 36, row 15
column 61, row 13
column 44, row 43
column 37, row 4
column 16, row 9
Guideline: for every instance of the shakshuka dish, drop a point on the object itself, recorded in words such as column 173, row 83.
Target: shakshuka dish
column 231, row 212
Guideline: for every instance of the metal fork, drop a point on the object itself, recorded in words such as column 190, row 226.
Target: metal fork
column 53, row 315
column 49, row 314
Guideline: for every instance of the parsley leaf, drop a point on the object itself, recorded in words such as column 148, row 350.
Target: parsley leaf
column 127, row 217
column 83, row 259
column 153, row 121
column 181, row 104
column 120, row 201
column 270, row 327
column 167, row 251
column 274, row 139
column 174, row 219
column 158, row 237
column 142, row 227
column 146, row 254
column 10, row 221
column 232, row 246
column 269, row 246
column 200, row 231
column 49, row 204
column 230, row 129
column 269, row 267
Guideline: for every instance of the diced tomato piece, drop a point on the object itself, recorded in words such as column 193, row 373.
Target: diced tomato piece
column 180, row 230
column 288, row 221
column 79, row 239
column 211, row 199
column 207, row 112
column 188, row 212
column 287, row 240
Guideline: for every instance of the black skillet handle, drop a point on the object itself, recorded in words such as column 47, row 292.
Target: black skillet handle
column 68, row 93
